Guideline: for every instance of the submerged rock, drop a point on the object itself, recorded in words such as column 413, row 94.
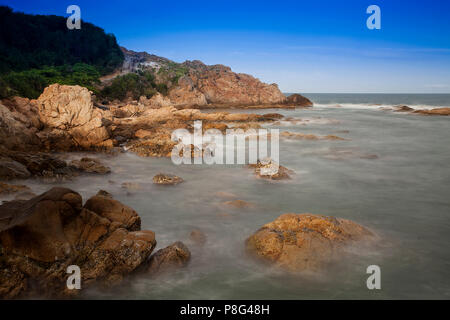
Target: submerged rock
column 10, row 188
column 299, row 242
column 41, row 237
column 269, row 169
column 167, row 179
column 239, row 204
column 198, row 237
column 303, row 136
column 90, row 165
column 177, row 255
column 434, row 112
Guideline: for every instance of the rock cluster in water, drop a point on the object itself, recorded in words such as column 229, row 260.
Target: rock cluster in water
column 40, row 238
column 299, row 242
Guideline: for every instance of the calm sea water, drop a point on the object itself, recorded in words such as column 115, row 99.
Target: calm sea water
column 376, row 100
column 403, row 196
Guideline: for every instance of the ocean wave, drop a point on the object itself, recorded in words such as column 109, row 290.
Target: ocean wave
column 364, row 106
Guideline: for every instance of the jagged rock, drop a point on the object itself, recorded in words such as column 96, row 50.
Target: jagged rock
column 71, row 109
column 299, row 101
column 18, row 125
column 156, row 101
column 41, row 237
column 90, row 165
column 177, row 255
column 167, row 179
column 299, row 242
column 271, row 170
column 186, row 93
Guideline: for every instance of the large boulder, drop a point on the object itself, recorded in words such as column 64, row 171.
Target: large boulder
column 175, row 256
column 298, row 100
column 299, row 242
column 41, row 237
column 70, row 109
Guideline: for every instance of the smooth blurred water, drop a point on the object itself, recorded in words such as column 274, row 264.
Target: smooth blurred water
column 403, row 195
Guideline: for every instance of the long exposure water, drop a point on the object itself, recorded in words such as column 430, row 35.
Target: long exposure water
column 402, row 195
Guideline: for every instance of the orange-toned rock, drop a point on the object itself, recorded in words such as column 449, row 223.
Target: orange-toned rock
column 299, row 242
column 167, row 179
column 434, row 112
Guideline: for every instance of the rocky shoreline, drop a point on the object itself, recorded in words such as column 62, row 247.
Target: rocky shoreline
column 41, row 236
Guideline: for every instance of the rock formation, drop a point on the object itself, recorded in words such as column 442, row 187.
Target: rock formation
column 69, row 110
column 299, row 242
column 175, row 256
column 434, row 112
column 299, row 100
column 41, row 237
column 167, row 179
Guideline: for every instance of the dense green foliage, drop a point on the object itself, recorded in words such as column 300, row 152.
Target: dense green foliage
column 133, row 85
column 31, row 83
column 37, row 50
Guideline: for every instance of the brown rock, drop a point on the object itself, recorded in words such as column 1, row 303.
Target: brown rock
column 271, row 170
column 90, row 165
column 434, row 112
column 299, row 100
column 175, row 256
column 403, row 109
column 300, row 242
column 114, row 211
column 41, row 237
column 10, row 169
column 167, row 179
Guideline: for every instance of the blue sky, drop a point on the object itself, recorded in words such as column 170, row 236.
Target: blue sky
column 304, row 46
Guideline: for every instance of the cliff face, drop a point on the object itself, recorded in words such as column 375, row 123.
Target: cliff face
column 194, row 83
column 220, row 85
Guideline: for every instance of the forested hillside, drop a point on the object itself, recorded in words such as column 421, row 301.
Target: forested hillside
column 37, row 50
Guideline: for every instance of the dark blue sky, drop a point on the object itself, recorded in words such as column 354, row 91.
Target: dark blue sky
column 304, row 46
